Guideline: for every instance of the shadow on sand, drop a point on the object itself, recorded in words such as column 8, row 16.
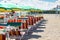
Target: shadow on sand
column 39, row 25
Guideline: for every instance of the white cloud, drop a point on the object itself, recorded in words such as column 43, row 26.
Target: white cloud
column 35, row 3
column 57, row 2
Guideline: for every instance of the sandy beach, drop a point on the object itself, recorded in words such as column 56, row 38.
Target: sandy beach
column 48, row 29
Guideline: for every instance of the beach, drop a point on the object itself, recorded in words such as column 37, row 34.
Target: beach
column 49, row 30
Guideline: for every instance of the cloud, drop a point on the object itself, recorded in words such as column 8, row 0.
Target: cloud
column 43, row 5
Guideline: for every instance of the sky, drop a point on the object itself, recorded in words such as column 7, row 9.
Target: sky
column 39, row 4
column 49, row 0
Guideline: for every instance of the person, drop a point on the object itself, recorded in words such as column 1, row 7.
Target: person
column 12, row 12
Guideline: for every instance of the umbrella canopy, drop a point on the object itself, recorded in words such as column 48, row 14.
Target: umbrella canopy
column 2, row 8
column 8, row 5
column 24, row 7
column 11, row 6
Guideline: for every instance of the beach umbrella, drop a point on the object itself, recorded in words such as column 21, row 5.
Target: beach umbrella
column 11, row 5
column 8, row 7
column 24, row 8
column 2, row 8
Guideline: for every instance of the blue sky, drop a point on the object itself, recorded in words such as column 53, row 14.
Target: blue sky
column 49, row 0
column 40, row 4
column 0, row 0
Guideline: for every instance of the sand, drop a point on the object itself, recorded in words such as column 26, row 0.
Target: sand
column 49, row 30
